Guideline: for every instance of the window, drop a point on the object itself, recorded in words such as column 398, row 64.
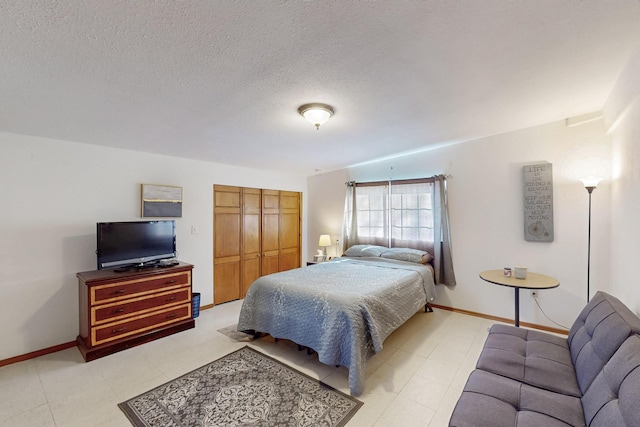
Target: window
column 372, row 214
column 411, row 214
column 394, row 214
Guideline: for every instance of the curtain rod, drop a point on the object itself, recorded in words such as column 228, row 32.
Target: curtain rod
column 352, row 183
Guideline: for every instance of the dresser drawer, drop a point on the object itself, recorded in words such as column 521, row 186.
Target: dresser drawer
column 118, row 310
column 139, row 324
column 125, row 289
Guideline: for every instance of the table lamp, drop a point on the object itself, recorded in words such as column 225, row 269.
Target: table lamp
column 325, row 240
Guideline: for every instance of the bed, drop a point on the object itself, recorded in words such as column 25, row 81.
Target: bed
column 343, row 309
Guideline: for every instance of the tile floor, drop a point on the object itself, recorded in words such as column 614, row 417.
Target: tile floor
column 415, row 380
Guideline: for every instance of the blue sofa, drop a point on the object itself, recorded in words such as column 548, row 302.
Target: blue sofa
column 527, row 378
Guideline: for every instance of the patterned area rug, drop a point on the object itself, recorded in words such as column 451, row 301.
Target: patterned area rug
column 243, row 387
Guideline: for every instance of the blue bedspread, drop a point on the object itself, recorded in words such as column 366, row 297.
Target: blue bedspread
column 343, row 309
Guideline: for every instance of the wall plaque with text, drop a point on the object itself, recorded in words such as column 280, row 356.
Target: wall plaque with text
column 538, row 202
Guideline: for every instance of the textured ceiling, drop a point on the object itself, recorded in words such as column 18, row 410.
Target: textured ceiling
column 221, row 80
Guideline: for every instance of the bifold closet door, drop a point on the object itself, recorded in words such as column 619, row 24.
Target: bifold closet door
column 256, row 232
column 270, row 232
column 251, row 237
column 227, row 232
column 289, row 230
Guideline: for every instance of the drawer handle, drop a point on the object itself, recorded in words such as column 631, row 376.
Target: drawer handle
column 117, row 331
column 171, row 299
column 118, row 292
column 120, row 310
column 171, row 316
column 168, row 282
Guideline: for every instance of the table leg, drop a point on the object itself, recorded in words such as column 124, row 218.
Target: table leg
column 517, row 307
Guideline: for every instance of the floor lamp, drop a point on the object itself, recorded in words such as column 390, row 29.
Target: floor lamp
column 590, row 184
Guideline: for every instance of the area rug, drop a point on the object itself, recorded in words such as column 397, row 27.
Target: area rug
column 243, row 387
column 232, row 332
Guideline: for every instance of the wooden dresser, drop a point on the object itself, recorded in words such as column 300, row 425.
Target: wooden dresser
column 119, row 310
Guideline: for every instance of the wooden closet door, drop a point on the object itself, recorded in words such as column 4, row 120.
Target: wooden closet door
column 270, row 231
column 227, row 231
column 289, row 230
column 251, row 225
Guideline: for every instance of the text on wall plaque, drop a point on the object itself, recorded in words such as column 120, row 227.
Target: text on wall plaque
column 538, row 202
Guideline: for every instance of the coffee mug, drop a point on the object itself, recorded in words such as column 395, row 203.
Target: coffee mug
column 520, row 272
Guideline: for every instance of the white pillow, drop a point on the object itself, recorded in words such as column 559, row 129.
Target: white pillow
column 365, row 251
column 407, row 254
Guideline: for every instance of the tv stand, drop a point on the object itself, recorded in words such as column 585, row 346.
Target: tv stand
column 122, row 309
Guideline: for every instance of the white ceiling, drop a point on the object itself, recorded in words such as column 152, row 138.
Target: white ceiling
column 221, row 80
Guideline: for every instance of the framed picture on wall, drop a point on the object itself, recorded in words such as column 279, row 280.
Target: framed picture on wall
column 161, row 201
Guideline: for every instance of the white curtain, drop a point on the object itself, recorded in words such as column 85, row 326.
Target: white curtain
column 412, row 215
column 366, row 215
column 372, row 215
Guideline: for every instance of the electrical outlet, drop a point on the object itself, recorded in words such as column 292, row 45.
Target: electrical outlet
column 534, row 294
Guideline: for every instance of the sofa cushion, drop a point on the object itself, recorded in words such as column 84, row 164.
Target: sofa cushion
column 612, row 399
column 533, row 357
column 494, row 401
column 600, row 329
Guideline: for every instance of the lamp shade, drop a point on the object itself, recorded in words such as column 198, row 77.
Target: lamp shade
column 325, row 240
column 591, row 181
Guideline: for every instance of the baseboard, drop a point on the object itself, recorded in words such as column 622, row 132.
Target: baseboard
column 502, row 319
column 37, row 353
column 55, row 348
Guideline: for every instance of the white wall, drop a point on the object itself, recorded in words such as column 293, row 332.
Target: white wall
column 622, row 114
column 53, row 193
column 485, row 191
column 326, row 193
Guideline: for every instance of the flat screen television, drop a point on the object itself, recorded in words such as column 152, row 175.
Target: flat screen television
column 135, row 243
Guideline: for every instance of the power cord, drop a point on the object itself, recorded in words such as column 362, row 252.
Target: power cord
column 545, row 315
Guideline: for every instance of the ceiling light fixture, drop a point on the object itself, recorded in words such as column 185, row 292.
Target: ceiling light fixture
column 316, row 113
